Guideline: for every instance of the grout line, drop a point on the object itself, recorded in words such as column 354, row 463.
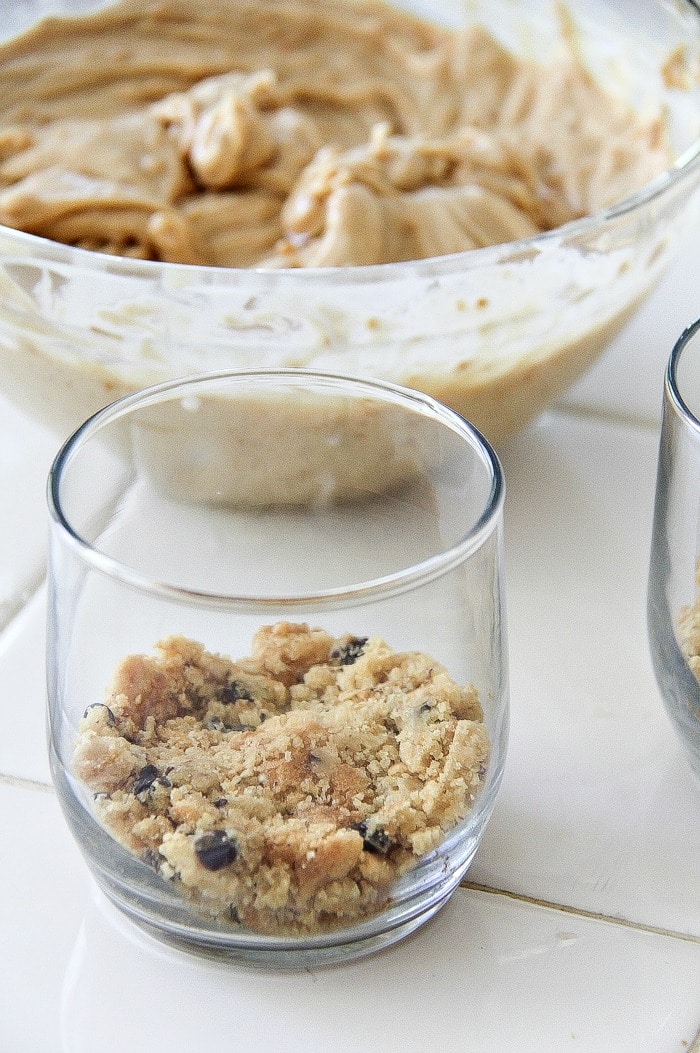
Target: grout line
column 21, row 783
column 591, row 915
column 10, row 611
column 605, row 416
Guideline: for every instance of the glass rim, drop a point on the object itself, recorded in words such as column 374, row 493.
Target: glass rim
column 397, row 582
column 672, row 385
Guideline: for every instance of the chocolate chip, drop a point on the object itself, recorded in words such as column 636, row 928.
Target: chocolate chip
column 214, row 724
column 376, row 841
column 221, row 802
column 215, row 849
column 217, row 724
column 151, row 858
column 111, row 719
column 145, row 779
column 349, row 652
column 233, row 692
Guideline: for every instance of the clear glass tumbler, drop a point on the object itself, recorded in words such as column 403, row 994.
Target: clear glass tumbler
column 288, row 778
column 674, row 576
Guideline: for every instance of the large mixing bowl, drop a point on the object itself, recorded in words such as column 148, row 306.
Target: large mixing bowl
column 496, row 333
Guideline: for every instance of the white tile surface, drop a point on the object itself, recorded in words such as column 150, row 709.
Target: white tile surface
column 598, row 812
column 598, row 808
column 44, row 891
column 627, row 380
column 488, row 974
column 596, row 803
column 22, row 675
column 26, row 453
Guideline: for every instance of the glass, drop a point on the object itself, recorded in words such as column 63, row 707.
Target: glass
column 674, row 577
column 212, row 507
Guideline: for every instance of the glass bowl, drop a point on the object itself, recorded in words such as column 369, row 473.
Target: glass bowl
column 496, row 333
column 324, row 797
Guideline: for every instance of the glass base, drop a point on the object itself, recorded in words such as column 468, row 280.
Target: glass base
column 159, row 910
column 292, row 957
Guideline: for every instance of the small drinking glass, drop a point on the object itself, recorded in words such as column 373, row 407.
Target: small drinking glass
column 673, row 610
column 233, row 504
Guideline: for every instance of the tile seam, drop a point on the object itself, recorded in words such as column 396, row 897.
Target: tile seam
column 20, row 782
column 12, row 610
column 607, row 416
column 581, row 912
column 23, row 783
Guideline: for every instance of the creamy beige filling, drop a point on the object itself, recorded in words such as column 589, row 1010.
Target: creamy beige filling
column 300, row 133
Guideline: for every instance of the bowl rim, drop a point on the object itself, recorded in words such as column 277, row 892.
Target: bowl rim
column 683, row 168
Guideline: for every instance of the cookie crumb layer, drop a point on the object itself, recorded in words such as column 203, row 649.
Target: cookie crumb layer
column 286, row 791
column 689, row 629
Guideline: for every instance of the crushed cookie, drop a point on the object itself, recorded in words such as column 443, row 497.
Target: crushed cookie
column 299, row 822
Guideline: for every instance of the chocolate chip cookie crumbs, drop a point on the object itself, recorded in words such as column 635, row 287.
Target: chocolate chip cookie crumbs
column 299, row 822
column 689, row 630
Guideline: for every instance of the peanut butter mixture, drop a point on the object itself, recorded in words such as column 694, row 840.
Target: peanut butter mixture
column 286, row 791
column 300, row 133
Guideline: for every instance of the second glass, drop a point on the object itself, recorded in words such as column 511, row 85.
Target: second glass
column 674, row 574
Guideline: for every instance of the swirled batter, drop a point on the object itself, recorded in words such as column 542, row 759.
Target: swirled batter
column 300, row 133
